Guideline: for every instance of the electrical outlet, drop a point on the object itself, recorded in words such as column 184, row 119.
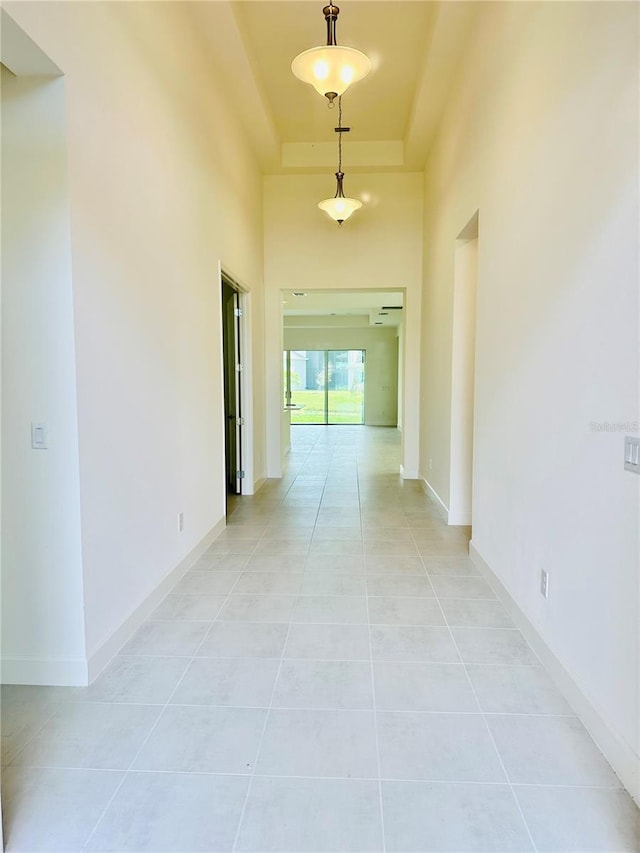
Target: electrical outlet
column 632, row 454
column 180, row 522
column 544, row 583
column 431, row 464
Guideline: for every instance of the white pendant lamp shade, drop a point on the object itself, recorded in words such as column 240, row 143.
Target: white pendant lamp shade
column 340, row 208
column 331, row 69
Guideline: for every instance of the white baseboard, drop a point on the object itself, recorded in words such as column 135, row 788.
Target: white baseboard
column 454, row 518
column 111, row 646
column 615, row 749
column 407, row 474
column 457, row 519
column 426, row 485
column 51, row 672
column 252, row 488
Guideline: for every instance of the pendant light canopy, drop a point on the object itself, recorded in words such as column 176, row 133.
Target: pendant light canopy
column 340, row 207
column 331, row 69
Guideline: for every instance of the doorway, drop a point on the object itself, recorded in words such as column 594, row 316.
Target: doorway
column 232, row 374
column 463, row 374
column 325, row 386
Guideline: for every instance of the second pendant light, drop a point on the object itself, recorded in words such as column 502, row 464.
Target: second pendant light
column 340, row 207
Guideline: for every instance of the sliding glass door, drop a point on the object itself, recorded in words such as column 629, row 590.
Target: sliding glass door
column 324, row 386
column 345, row 387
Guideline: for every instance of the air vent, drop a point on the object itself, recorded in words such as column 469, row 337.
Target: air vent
column 392, row 307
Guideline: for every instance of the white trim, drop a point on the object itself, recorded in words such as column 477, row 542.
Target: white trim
column 459, row 518
column 246, row 378
column 273, row 347
column 254, row 486
column 259, row 483
column 112, row 645
column 53, row 672
column 426, row 485
column 406, row 474
column 246, row 391
column 618, row 753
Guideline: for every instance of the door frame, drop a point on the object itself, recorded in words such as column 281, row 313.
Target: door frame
column 409, row 364
column 232, row 387
column 245, row 382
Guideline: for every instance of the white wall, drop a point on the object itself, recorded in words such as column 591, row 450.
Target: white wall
column 379, row 247
column 401, row 369
column 381, row 363
column 42, row 597
column 541, row 136
column 463, row 358
column 163, row 187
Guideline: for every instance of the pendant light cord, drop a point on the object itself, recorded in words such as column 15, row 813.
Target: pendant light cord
column 340, row 133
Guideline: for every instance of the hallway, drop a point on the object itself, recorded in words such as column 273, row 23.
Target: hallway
column 333, row 674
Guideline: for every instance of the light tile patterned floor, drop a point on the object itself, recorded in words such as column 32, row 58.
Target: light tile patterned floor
column 332, row 675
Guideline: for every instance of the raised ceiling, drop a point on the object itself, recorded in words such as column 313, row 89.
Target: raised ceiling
column 416, row 48
column 373, row 307
column 393, row 35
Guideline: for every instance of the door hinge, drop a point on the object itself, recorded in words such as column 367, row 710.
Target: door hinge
column 240, row 475
column 237, row 312
column 239, row 367
column 240, row 421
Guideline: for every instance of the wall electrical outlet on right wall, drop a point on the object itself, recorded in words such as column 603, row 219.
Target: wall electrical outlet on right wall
column 544, row 583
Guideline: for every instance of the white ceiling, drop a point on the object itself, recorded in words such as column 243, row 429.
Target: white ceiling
column 368, row 304
column 379, row 106
column 415, row 47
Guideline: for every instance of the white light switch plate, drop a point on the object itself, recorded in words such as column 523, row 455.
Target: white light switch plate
column 39, row 436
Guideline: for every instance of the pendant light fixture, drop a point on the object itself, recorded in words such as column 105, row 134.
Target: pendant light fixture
column 340, row 207
column 331, row 69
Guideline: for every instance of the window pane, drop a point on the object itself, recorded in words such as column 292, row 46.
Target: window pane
column 346, row 386
column 327, row 387
column 307, row 386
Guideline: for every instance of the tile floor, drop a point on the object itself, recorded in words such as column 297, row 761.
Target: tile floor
column 332, row 675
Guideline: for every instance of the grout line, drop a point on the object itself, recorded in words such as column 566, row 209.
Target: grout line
column 426, row 661
column 269, row 522
column 154, row 726
column 33, row 735
column 475, row 783
column 266, row 722
column 490, row 733
column 259, row 749
column 417, row 661
column 375, row 712
column 425, row 625
column 347, row 710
